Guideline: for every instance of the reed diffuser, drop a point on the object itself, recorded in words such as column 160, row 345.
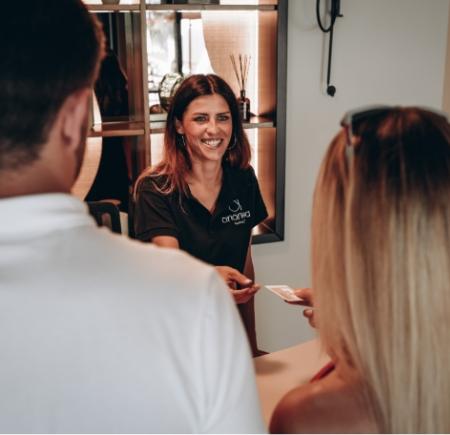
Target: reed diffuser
column 241, row 72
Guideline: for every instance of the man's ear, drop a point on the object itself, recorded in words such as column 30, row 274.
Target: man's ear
column 179, row 127
column 73, row 116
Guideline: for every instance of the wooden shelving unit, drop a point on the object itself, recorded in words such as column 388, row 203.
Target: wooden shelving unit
column 127, row 24
column 212, row 7
column 113, row 8
column 117, row 129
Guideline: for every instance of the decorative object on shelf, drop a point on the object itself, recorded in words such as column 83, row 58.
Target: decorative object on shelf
column 241, row 76
column 110, row 2
column 111, row 177
column 156, row 109
column 167, row 87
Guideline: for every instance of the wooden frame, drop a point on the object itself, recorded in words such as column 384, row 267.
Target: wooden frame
column 269, row 127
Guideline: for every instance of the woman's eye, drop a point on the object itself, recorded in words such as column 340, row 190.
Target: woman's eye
column 200, row 119
column 223, row 118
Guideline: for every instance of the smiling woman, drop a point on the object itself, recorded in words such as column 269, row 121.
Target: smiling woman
column 206, row 128
column 203, row 197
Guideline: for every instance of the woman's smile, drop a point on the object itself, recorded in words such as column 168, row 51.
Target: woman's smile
column 207, row 128
column 212, row 143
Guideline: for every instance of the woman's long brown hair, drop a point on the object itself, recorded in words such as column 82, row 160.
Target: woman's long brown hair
column 176, row 162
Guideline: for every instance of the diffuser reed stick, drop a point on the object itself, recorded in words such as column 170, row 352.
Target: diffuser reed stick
column 241, row 68
column 241, row 73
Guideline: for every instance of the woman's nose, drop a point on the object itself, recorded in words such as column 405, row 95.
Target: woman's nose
column 212, row 126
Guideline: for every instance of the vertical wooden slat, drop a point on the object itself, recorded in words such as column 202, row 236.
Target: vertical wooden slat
column 267, row 63
column 281, row 116
column 146, row 155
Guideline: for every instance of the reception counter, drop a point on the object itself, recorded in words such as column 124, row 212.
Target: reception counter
column 279, row 372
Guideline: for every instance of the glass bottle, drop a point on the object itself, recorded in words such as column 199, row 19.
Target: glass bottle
column 244, row 106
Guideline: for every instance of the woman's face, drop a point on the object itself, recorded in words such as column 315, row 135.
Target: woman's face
column 207, row 128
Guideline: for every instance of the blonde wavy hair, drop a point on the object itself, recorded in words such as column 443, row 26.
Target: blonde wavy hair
column 381, row 265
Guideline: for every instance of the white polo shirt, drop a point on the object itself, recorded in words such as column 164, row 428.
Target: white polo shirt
column 102, row 334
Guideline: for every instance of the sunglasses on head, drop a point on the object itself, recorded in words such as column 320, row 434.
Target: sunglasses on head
column 352, row 118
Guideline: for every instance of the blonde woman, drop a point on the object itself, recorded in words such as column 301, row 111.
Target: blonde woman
column 381, row 279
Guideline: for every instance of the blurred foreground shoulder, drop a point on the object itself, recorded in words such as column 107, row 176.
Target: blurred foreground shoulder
column 295, row 412
column 330, row 405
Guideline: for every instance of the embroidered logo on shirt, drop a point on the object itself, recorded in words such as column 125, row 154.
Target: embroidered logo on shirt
column 237, row 216
column 237, row 208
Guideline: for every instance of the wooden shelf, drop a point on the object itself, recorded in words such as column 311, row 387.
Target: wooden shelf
column 207, row 7
column 159, row 125
column 115, row 129
column 263, row 233
column 112, row 8
column 178, row 7
column 259, row 122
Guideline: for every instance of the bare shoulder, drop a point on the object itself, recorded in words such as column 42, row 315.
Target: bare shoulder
column 325, row 406
column 294, row 412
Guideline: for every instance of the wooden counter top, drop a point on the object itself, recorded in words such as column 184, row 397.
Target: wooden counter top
column 279, row 372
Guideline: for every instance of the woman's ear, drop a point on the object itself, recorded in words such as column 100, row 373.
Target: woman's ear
column 179, row 126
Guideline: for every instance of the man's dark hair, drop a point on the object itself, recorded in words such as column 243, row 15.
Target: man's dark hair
column 49, row 49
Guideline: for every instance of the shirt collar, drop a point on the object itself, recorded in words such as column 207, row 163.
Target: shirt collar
column 36, row 215
column 225, row 191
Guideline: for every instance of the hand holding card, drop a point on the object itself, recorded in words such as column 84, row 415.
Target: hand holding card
column 286, row 293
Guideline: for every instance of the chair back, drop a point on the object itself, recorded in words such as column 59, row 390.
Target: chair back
column 106, row 214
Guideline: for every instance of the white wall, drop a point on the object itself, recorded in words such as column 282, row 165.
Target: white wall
column 446, row 96
column 385, row 51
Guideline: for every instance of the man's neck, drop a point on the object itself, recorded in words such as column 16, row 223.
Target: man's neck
column 27, row 181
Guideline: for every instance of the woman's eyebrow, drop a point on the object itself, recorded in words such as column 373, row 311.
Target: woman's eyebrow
column 207, row 114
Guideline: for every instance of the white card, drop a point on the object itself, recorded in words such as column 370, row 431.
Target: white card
column 284, row 292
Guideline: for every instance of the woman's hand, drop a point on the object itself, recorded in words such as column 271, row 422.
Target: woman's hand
column 306, row 294
column 241, row 287
column 244, row 295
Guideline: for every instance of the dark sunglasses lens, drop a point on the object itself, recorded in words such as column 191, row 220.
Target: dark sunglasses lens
column 368, row 114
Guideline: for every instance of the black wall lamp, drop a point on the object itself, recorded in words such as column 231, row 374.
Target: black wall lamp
column 334, row 13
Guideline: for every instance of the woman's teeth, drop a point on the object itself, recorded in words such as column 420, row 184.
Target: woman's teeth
column 212, row 143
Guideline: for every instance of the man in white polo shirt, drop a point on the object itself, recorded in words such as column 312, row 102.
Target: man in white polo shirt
column 97, row 333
